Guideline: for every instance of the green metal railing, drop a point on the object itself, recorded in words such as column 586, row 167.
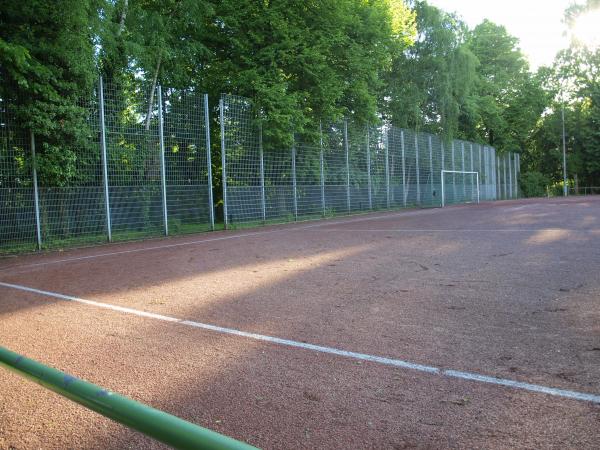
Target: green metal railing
column 159, row 425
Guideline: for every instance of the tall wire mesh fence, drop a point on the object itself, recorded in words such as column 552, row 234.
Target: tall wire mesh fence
column 187, row 156
column 379, row 173
column 243, row 165
column 72, row 205
column 134, row 160
column 309, row 188
column 17, row 204
column 138, row 166
column 352, row 168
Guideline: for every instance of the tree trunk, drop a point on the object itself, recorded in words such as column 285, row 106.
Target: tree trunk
column 154, row 82
column 123, row 16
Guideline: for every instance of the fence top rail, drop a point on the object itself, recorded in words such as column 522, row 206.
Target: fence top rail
column 459, row 171
column 159, row 425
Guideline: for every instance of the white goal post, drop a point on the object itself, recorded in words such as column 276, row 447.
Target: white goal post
column 461, row 172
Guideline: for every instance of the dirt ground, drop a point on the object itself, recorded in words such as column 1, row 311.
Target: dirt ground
column 508, row 289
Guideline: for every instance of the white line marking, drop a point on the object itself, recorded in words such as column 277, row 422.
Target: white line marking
column 220, row 238
column 322, row 349
column 405, row 213
column 137, row 250
column 525, row 386
column 469, row 230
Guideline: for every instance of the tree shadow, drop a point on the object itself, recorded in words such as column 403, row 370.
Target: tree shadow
column 488, row 304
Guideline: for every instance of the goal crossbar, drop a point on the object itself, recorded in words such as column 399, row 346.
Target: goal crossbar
column 464, row 172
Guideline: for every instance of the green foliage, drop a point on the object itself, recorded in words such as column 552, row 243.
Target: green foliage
column 432, row 79
column 508, row 100
column 46, row 62
column 573, row 83
column 302, row 63
column 534, row 184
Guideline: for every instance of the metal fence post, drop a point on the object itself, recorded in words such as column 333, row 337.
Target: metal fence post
column 417, row 168
column 163, row 178
column 488, row 177
column 442, row 183
column 322, row 168
column 494, row 152
column 472, row 169
column 104, row 162
column 519, row 167
column 442, row 172
column 504, row 172
column 168, row 429
column 471, row 154
column 479, row 169
column 263, row 199
column 490, row 174
column 517, row 164
column 223, row 163
column 514, row 166
column 515, row 184
column 387, row 167
column 510, row 183
column 404, row 193
column 211, row 205
column 347, row 163
column 514, row 174
column 454, row 174
column 462, row 155
column 486, row 169
column 493, row 177
column 494, row 185
column 430, row 167
column 294, row 183
column 479, row 165
column 36, row 195
column 369, row 170
column 498, row 178
column 502, row 178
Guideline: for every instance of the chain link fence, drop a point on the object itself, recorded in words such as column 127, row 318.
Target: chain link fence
column 17, row 196
column 350, row 169
column 584, row 190
column 140, row 166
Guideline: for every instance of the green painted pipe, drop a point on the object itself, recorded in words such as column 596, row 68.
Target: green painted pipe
column 159, row 425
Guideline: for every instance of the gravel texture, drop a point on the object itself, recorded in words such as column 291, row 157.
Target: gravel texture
column 507, row 289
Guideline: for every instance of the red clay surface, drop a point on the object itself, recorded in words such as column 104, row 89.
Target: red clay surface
column 507, row 289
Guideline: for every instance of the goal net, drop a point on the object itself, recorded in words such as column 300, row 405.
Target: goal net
column 459, row 187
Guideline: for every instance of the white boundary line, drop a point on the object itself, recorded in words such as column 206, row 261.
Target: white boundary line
column 328, row 350
column 320, row 223
column 138, row 250
column 470, row 230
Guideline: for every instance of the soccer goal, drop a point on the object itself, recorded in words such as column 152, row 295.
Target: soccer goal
column 459, row 187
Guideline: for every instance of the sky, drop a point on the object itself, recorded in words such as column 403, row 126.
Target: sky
column 537, row 23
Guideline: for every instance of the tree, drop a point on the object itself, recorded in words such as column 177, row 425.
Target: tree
column 573, row 84
column 46, row 68
column 304, row 61
column 508, row 99
column 431, row 80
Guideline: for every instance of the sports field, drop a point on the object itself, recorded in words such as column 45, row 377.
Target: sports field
column 468, row 326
